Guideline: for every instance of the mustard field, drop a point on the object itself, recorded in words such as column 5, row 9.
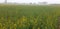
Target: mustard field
column 28, row 17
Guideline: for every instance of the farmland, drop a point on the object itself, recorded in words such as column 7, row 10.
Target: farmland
column 28, row 17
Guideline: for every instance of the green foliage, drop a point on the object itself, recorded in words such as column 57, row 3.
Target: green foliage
column 28, row 17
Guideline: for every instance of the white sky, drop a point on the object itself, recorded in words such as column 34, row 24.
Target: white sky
column 28, row 1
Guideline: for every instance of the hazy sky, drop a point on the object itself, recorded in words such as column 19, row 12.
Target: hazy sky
column 28, row 1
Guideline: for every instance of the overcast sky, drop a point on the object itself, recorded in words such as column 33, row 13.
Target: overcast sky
column 33, row 1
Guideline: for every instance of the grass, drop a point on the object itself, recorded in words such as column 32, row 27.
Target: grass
column 28, row 17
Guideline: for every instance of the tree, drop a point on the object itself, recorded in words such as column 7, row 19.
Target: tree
column 5, row 1
column 44, row 2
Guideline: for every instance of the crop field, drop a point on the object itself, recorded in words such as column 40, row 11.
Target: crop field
column 28, row 17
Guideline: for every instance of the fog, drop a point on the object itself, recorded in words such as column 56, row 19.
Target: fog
column 33, row 1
